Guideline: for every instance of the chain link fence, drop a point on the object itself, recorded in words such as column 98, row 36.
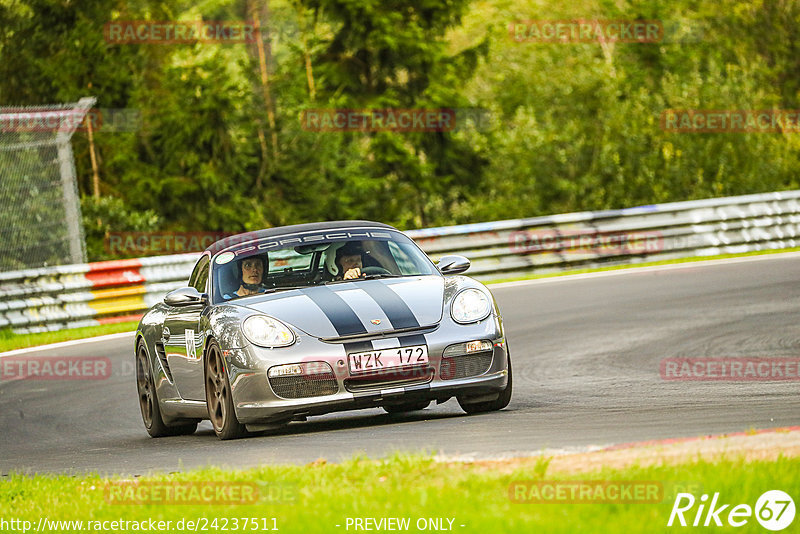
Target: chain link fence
column 40, row 218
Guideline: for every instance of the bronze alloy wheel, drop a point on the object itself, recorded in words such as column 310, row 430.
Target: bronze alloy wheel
column 148, row 401
column 144, row 384
column 219, row 397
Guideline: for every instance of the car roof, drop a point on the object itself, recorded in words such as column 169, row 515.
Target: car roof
column 238, row 239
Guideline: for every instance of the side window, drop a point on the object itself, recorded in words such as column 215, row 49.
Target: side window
column 200, row 275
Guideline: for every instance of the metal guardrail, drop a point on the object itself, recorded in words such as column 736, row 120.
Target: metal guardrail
column 731, row 225
column 71, row 296
column 96, row 293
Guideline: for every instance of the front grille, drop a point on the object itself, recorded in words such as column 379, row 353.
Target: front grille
column 466, row 365
column 389, row 379
column 302, row 386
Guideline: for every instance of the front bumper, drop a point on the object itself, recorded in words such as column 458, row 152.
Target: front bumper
column 255, row 400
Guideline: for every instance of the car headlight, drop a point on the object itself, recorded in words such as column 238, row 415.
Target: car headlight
column 267, row 332
column 469, row 306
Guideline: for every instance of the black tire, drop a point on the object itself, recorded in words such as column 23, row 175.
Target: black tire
column 219, row 397
column 186, row 429
column 493, row 405
column 407, row 407
column 148, row 400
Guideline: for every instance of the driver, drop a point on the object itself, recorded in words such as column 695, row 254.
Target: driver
column 251, row 275
column 349, row 261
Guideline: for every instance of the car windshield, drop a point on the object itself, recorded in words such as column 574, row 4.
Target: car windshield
column 290, row 262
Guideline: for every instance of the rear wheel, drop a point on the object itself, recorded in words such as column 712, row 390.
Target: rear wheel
column 407, row 407
column 148, row 400
column 219, row 397
column 489, row 406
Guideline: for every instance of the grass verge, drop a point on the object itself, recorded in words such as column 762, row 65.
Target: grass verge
column 10, row 341
column 320, row 497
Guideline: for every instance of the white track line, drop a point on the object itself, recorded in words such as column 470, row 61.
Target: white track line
column 645, row 269
column 63, row 344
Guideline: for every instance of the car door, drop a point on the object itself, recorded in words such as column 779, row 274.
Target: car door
column 182, row 343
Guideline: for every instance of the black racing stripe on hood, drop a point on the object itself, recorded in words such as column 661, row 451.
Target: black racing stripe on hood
column 411, row 341
column 357, row 346
column 396, row 310
column 338, row 312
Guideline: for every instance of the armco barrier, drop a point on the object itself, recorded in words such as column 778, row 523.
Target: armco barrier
column 555, row 243
column 79, row 295
column 70, row 296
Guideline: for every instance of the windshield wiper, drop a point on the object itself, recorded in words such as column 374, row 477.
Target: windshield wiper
column 365, row 277
column 329, row 282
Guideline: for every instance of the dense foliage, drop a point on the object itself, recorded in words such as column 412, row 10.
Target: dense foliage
column 567, row 126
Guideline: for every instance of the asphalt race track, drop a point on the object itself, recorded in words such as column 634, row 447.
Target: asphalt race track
column 586, row 355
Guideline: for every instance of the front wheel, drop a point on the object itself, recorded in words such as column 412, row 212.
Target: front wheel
column 219, row 397
column 148, row 401
column 493, row 405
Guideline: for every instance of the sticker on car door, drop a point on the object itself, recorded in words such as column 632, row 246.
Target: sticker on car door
column 190, row 348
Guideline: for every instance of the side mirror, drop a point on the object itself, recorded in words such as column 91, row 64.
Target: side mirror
column 453, row 264
column 185, row 296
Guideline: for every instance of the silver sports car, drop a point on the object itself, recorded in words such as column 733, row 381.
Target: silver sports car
column 280, row 324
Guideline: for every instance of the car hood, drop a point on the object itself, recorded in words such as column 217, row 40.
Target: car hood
column 357, row 308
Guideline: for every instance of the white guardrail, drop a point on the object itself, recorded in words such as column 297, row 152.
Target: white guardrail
column 71, row 296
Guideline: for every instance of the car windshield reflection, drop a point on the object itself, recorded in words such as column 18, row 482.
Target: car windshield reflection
column 270, row 267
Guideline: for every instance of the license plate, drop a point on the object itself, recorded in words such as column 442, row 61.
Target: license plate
column 375, row 360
